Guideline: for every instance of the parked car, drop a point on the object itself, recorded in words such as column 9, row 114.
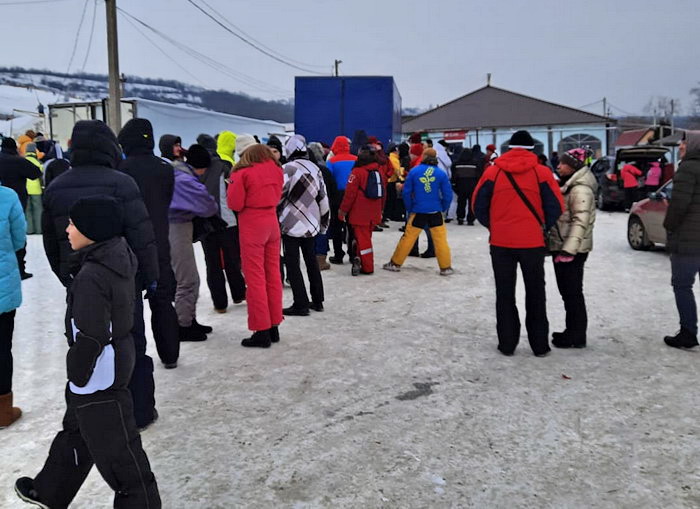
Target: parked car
column 607, row 170
column 645, row 226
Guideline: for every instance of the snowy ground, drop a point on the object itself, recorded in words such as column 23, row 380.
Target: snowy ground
column 397, row 397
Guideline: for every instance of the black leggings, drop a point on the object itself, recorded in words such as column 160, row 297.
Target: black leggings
column 7, row 326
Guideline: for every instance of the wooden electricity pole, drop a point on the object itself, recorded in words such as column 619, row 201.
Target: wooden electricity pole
column 114, row 119
column 337, row 65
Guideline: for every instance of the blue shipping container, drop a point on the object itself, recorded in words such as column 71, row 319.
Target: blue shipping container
column 326, row 107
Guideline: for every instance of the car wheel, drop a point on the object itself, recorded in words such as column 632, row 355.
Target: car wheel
column 637, row 234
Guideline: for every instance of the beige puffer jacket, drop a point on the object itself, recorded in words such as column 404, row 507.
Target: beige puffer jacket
column 573, row 232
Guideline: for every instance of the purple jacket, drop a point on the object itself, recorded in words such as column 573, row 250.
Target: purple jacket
column 190, row 197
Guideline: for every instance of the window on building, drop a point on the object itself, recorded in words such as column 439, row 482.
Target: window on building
column 581, row 140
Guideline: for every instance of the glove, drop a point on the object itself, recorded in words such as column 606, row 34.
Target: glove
column 341, row 216
column 81, row 358
column 563, row 258
column 151, row 289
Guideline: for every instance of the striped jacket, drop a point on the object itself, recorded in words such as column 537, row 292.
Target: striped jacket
column 304, row 210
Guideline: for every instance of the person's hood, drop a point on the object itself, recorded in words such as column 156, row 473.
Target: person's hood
column 367, row 167
column 692, row 140
column 517, row 160
column 404, row 149
column 114, row 254
column 166, row 144
column 208, row 142
column 94, row 143
column 465, row 156
column 136, row 137
column 226, row 145
column 341, row 145
column 317, row 149
column 358, row 141
column 582, row 177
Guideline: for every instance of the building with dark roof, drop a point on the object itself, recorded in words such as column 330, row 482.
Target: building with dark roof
column 492, row 115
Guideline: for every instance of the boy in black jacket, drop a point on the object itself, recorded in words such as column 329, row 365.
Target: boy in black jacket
column 99, row 426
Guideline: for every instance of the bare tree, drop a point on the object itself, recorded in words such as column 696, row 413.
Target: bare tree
column 695, row 92
column 662, row 107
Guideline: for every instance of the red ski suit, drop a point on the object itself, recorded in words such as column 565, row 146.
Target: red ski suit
column 254, row 193
column 363, row 213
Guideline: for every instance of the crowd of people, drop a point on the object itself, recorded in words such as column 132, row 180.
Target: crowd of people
column 119, row 223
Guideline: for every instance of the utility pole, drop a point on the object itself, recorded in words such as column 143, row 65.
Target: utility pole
column 488, row 79
column 114, row 119
column 605, row 106
column 337, row 64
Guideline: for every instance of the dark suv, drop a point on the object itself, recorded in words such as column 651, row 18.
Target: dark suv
column 611, row 194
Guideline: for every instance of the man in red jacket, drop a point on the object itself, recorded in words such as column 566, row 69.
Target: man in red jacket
column 362, row 213
column 518, row 200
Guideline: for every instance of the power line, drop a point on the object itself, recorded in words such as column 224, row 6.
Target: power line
column 165, row 53
column 249, row 43
column 206, row 60
column 27, row 2
column 239, row 29
column 92, row 33
column 77, row 35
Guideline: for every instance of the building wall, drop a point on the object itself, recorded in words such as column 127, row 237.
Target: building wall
column 550, row 137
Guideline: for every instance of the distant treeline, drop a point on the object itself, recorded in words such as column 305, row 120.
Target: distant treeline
column 235, row 103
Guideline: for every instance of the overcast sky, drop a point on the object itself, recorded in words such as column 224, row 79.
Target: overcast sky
column 565, row 51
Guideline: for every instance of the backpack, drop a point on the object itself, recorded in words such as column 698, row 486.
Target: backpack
column 375, row 187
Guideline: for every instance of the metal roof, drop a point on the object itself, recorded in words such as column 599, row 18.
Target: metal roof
column 491, row 107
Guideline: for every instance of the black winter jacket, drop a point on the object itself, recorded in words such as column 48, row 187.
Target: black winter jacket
column 14, row 172
column 155, row 178
column 682, row 221
column 101, row 311
column 95, row 153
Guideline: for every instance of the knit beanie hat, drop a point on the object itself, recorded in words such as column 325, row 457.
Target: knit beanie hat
column 275, row 143
column 575, row 158
column 522, row 139
column 244, row 142
column 98, row 217
column 491, row 147
column 198, row 157
column 9, row 144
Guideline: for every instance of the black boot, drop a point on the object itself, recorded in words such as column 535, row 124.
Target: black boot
column 428, row 254
column 684, row 339
column 566, row 340
column 198, row 326
column 317, row 306
column 259, row 339
column 275, row 334
column 295, row 311
column 24, row 487
column 191, row 334
column 336, row 260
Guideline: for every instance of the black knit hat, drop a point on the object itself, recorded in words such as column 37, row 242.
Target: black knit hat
column 275, row 142
column 93, row 143
column 98, row 217
column 522, row 139
column 198, row 157
column 9, row 145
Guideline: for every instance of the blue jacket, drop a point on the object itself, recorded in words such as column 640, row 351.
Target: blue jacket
column 427, row 189
column 13, row 234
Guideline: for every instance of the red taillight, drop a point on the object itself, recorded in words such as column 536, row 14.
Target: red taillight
column 612, row 177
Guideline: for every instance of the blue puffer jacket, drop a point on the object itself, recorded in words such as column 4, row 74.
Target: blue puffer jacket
column 13, row 228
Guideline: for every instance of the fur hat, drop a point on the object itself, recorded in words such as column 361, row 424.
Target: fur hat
column 98, row 217
column 243, row 143
column 522, row 139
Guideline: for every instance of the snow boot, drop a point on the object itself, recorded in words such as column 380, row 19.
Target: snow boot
column 191, row 334
column 24, row 487
column 295, row 311
column 428, row 254
column 684, row 339
column 447, row 271
column 275, row 334
column 565, row 340
column 460, row 222
column 391, row 267
column 259, row 339
column 336, row 260
column 8, row 413
column 317, row 306
column 356, row 266
column 198, row 326
column 322, row 262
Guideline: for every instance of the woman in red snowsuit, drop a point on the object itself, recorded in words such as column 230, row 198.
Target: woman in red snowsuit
column 362, row 213
column 254, row 192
